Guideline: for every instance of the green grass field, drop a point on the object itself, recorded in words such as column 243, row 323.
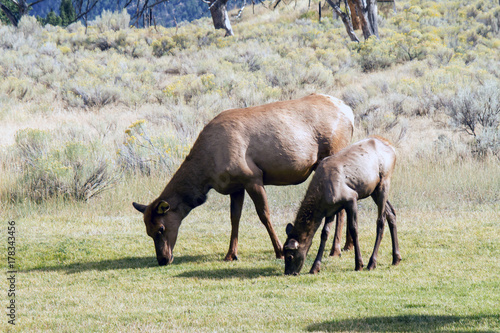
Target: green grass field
column 90, row 267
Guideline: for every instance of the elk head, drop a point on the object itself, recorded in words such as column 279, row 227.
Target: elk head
column 295, row 254
column 162, row 224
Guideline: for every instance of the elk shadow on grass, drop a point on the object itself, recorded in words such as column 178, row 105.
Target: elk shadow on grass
column 114, row 264
column 409, row 323
column 231, row 273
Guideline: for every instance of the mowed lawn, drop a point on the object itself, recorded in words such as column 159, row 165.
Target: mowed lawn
column 90, row 267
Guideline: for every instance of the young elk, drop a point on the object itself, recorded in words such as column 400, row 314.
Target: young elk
column 356, row 172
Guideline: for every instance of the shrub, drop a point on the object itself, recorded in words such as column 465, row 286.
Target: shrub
column 20, row 89
column 376, row 117
column 354, row 97
column 187, row 86
column 319, row 75
column 72, row 170
column 488, row 141
column 143, row 154
column 471, row 109
column 29, row 26
column 111, row 21
column 476, row 110
column 163, row 46
column 93, row 96
column 375, row 54
column 75, row 27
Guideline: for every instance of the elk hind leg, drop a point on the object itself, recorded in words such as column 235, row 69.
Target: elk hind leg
column 380, row 198
column 351, row 209
column 391, row 220
column 259, row 197
column 349, row 245
column 336, row 251
column 237, row 199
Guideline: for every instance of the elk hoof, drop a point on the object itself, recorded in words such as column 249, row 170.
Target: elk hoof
column 279, row 255
column 231, row 257
column 348, row 247
column 372, row 265
column 336, row 253
column 396, row 260
column 359, row 268
column 315, row 268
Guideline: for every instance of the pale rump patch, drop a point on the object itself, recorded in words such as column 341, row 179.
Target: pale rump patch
column 342, row 107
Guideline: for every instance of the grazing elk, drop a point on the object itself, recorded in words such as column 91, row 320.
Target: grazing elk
column 242, row 150
column 356, row 172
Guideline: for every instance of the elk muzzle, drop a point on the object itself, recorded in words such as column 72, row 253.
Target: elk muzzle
column 163, row 252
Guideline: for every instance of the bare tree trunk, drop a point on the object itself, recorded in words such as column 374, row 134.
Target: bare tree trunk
column 366, row 12
column 22, row 9
column 356, row 25
column 363, row 18
column 12, row 18
column 220, row 17
column 319, row 11
column 346, row 19
column 372, row 16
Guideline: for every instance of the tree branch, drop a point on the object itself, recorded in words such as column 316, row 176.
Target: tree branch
column 157, row 3
column 90, row 5
column 241, row 9
column 35, row 3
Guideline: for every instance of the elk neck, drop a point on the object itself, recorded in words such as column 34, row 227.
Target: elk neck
column 188, row 187
column 307, row 221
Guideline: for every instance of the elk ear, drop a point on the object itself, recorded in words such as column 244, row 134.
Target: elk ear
column 162, row 207
column 139, row 207
column 292, row 245
column 289, row 228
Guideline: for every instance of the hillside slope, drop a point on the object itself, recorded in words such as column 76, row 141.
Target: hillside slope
column 64, row 88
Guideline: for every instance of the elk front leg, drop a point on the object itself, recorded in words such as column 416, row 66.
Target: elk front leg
column 316, row 267
column 237, row 199
column 259, row 198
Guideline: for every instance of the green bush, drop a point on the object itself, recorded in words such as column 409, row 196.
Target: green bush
column 476, row 110
column 163, row 46
column 375, row 54
column 72, row 170
column 144, row 154
column 114, row 21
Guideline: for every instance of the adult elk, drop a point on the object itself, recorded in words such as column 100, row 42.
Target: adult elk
column 242, row 150
column 356, row 172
